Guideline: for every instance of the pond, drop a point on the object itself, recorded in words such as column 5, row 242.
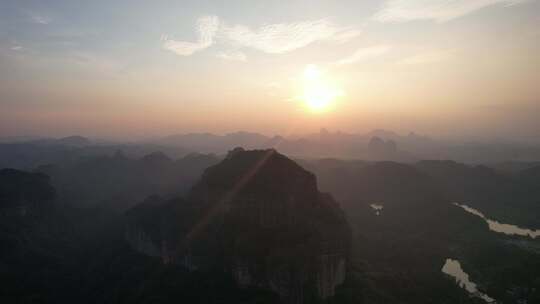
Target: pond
column 377, row 207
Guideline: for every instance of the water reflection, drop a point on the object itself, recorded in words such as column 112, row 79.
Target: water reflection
column 453, row 268
column 500, row 227
column 377, row 207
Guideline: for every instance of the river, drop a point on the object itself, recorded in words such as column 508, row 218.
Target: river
column 453, row 268
column 501, row 227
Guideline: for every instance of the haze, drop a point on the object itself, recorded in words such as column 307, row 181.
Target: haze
column 141, row 68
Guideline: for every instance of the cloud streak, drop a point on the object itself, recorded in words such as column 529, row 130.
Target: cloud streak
column 39, row 18
column 436, row 10
column 281, row 38
column 275, row 38
column 207, row 28
column 364, row 54
column 232, row 56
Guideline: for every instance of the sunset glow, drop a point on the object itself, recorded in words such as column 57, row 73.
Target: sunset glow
column 319, row 94
column 305, row 151
column 448, row 68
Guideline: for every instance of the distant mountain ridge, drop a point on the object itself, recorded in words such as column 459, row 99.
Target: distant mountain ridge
column 323, row 144
column 407, row 148
column 116, row 181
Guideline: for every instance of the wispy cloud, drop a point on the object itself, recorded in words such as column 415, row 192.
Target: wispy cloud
column 428, row 57
column 285, row 37
column 436, row 10
column 207, row 28
column 275, row 38
column 16, row 48
column 232, row 56
column 39, row 18
column 364, row 54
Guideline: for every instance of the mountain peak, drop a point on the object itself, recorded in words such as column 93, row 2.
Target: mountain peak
column 259, row 172
column 259, row 215
column 75, row 140
column 157, row 157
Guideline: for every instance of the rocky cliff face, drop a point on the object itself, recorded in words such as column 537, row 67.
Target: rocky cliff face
column 257, row 215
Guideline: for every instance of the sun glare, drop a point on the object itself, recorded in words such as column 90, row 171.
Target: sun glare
column 318, row 92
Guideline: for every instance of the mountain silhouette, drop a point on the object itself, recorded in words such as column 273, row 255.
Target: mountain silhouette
column 259, row 216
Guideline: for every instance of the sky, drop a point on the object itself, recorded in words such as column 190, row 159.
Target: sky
column 151, row 68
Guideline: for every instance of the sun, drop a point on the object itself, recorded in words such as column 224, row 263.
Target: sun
column 319, row 97
column 319, row 94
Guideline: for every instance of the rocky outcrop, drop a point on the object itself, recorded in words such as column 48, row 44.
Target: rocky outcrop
column 259, row 216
